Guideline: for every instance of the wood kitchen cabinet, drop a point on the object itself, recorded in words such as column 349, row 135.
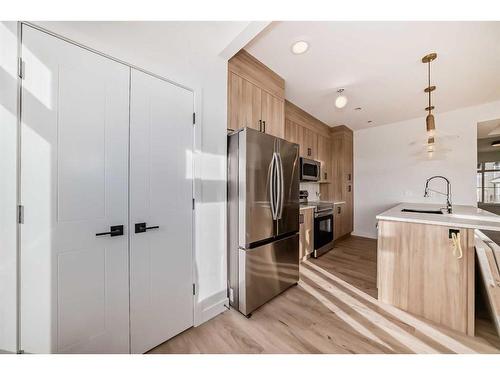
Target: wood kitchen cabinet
column 338, row 214
column 292, row 131
column 418, row 272
column 306, row 233
column 309, row 144
column 255, row 96
column 342, row 175
column 273, row 115
column 245, row 103
column 324, row 155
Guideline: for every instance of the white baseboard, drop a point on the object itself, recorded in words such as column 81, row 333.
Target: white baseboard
column 211, row 311
column 363, row 234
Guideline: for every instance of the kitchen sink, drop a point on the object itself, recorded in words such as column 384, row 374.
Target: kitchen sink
column 439, row 212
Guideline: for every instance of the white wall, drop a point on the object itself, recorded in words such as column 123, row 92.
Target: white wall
column 391, row 163
column 8, row 189
column 191, row 53
column 188, row 53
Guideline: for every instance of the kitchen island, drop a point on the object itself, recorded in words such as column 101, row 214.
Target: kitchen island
column 425, row 261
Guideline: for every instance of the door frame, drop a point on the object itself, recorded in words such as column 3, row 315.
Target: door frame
column 196, row 165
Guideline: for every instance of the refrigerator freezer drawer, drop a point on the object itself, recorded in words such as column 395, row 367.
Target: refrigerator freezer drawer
column 266, row 271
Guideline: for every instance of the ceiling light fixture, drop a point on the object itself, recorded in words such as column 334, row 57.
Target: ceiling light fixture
column 429, row 120
column 341, row 100
column 358, row 109
column 495, row 143
column 300, row 47
column 369, row 121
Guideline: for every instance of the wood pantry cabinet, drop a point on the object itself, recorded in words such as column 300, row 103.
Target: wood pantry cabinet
column 255, row 96
column 324, row 155
column 342, row 176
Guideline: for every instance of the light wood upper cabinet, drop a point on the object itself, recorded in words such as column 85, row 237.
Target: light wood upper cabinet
column 310, row 142
column 292, row 131
column 273, row 115
column 255, row 96
column 244, row 103
column 324, row 155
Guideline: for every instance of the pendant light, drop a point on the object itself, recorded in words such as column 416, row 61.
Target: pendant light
column 341, row 100
column 429, row 120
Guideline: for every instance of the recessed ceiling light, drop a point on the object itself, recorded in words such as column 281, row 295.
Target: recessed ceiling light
column 341, row 100
column 357, row 109
column 369, row 121
column 495, row 143
column 300, row 47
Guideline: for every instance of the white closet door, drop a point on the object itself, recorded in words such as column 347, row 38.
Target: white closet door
column 74, row 179
column 161, row 191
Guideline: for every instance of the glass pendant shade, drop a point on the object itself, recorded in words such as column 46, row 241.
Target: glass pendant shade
column 431, row 126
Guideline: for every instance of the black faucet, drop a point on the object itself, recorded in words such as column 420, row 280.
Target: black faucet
column 448, row 191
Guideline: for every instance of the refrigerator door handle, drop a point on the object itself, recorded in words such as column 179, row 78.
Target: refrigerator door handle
column 272, row 192
column 281, row 187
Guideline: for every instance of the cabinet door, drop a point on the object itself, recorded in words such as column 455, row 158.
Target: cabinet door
column 337, row 220
column 324, row 156
column 349, row 183
column 273, row 115
column 244, row 107
column 306, row 234
column 418, row 272
column 291, row 131
column 338, row 174
column 310, row 141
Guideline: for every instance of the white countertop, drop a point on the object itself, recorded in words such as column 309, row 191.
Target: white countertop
column 462, row 216
column 306, row 207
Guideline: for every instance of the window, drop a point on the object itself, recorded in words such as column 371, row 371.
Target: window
column 488, row 182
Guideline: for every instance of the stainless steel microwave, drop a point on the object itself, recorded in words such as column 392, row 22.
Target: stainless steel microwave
column 309, row 170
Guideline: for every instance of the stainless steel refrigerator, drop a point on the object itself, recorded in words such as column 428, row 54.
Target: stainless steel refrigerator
column 263, row 218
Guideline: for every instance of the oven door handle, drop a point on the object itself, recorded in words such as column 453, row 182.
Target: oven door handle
column 323, row 214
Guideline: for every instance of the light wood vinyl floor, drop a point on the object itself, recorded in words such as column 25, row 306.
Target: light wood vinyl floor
column 333, row 309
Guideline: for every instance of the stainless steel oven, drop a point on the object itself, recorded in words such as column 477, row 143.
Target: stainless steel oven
column 309, row 170
column 323, row 230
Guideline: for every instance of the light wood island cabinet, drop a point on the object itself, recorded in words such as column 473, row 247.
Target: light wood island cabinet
column 420, row 271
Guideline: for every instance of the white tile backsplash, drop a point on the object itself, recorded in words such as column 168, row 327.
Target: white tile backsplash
column 313, row 190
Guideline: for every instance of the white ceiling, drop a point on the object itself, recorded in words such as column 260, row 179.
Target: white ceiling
column 379, row 65
column 179, row 50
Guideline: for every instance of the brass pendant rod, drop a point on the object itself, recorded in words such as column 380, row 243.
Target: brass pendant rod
column 429, row 85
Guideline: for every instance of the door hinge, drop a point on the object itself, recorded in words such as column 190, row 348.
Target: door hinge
column 194, row 118
column 20, row 214
column 20, row 68
column 193, row 203
column 194, row 289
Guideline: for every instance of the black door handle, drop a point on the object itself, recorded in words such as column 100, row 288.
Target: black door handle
column 141, row 227
column 114, row 230
column 264, row 124
column 260, row 125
